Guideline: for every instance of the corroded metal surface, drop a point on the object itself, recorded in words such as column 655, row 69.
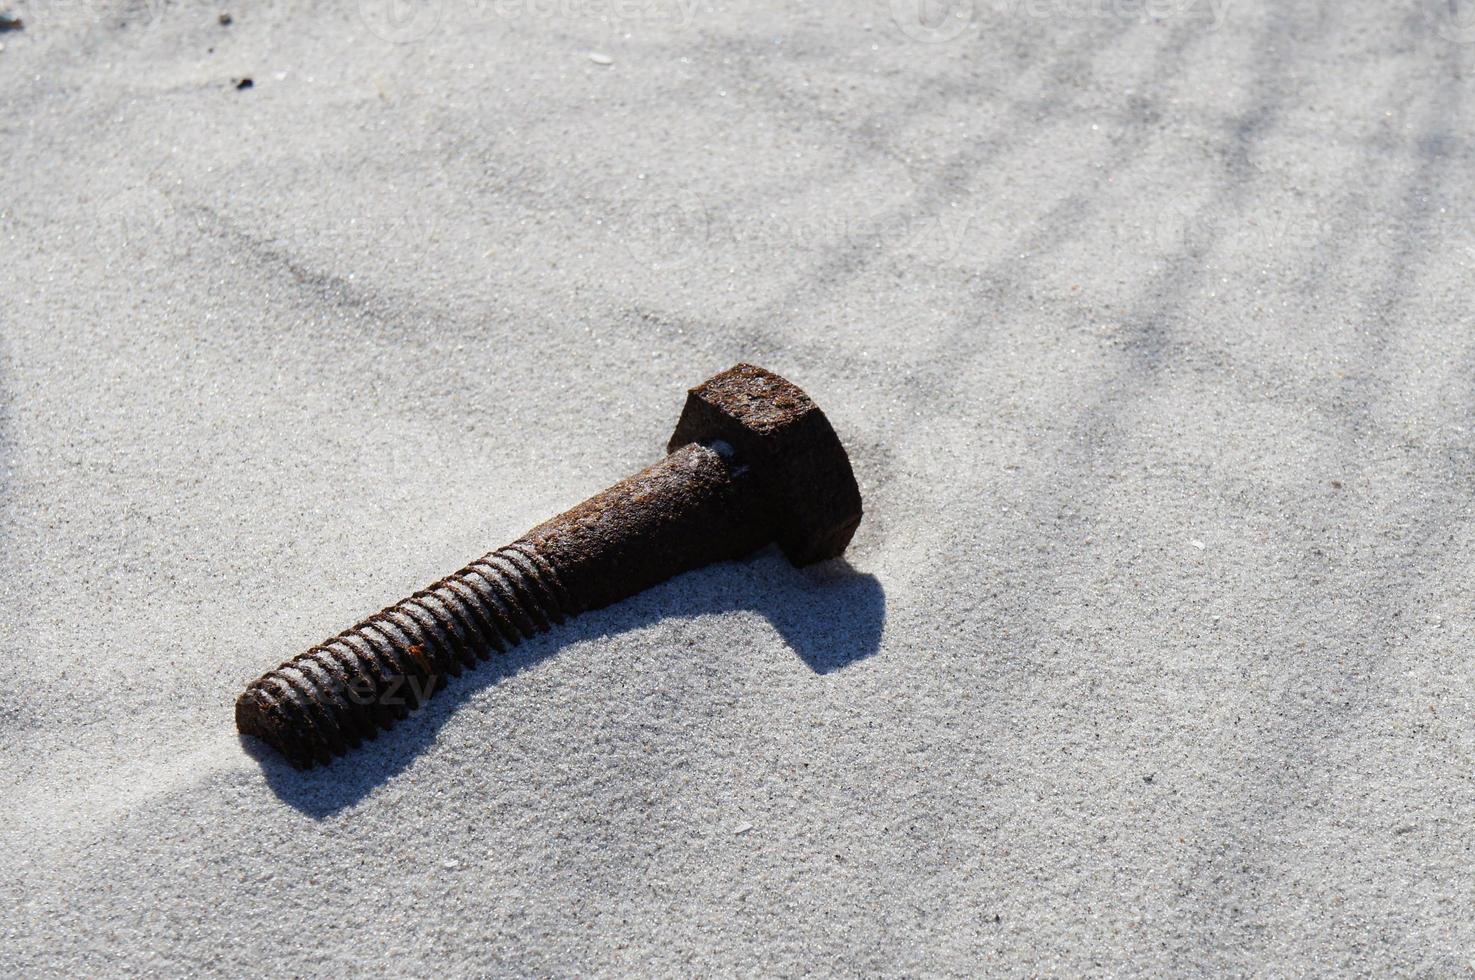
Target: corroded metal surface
column 752, row 460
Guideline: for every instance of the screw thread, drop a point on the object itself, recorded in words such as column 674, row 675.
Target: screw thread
column 347, row 689
column 692, row 508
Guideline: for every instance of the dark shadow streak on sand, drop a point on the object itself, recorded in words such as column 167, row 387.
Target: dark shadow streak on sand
column 7, row 447
column 829, row 614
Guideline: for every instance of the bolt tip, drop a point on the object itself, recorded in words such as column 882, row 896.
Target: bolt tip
column 258, row 716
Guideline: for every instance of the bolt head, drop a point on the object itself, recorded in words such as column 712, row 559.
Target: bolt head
column 777, row 430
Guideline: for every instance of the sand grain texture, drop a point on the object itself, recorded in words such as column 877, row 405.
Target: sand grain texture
column 1147, row 330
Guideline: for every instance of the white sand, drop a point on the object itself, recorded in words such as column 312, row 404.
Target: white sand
column 1149, row 336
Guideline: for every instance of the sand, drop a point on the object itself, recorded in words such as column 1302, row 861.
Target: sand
column 1145, row 324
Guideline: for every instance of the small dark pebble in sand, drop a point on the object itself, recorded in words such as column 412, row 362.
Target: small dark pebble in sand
column 1147, row 779
column 243, row 83
column 225, row 20
column 9, row 23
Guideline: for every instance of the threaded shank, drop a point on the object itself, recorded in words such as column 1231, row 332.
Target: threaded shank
column 694, row 507
column 348, row 688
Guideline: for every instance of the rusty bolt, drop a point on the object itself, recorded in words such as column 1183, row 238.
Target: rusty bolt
column 752, row 460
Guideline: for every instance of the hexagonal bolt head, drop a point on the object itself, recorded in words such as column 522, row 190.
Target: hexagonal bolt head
column 775, row 428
